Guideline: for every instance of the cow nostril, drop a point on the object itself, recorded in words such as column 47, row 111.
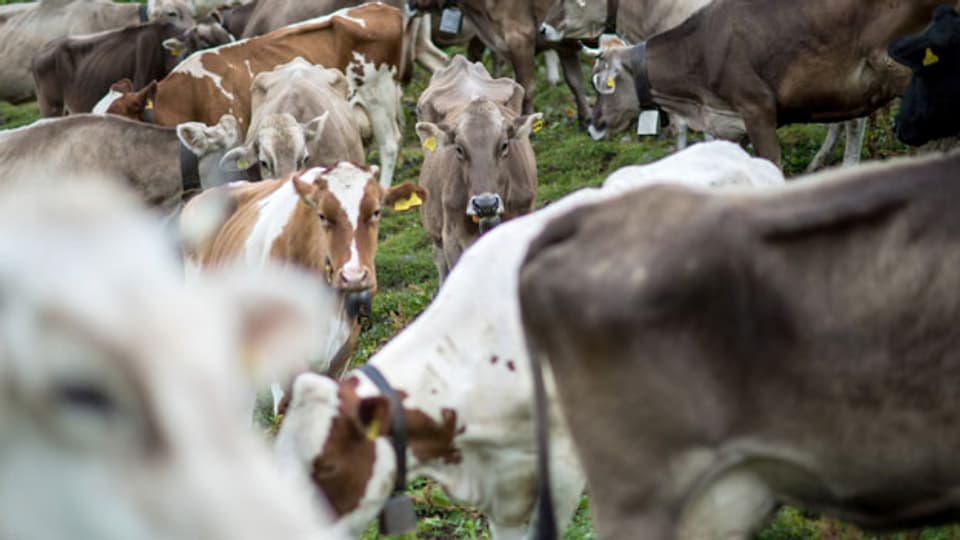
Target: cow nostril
column 485, row 205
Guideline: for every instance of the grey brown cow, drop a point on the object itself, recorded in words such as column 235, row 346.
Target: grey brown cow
column 795, row 346
column 814, row 62
column 478, row 164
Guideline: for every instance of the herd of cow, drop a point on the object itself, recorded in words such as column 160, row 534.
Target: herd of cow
column 695, row 340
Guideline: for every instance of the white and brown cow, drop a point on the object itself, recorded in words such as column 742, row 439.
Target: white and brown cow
column 324, row 220
column 26, row 30
column 461, row 370
column 144, row 157
column 121, row 410
column 791, row 347
column 478, row 164
column 215, row 82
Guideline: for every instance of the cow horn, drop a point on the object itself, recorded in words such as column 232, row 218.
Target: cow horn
column 591, row 52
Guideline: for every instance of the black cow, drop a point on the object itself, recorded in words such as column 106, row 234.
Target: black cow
column 930, row 109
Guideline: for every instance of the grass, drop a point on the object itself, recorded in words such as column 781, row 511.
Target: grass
column 567, row 160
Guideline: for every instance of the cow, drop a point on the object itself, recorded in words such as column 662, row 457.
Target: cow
column 25, row 32
column 478, row 163
column 235, row 18
column 118, row 418
column 928, row 110
column 795, row 346
column 377, row 102
column 729, row 85
column 509, row 28
column 144, row 157
column 324, row 220
column 71, row 74
column 462, row 372
column 217, row 81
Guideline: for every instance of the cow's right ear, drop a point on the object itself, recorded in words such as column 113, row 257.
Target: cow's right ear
column 240, row 158
column 369, row 416
column 913, row 51
column 309, row 193
column 122, row 86
column 432, row 136
column 174, row 47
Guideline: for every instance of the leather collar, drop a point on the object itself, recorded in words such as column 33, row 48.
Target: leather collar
column 142, row 11
column 641, row 80
column 398, row 424
column 189, row 172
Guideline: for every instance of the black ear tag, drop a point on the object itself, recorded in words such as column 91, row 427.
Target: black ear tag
column 397, row 516
column 451, row 21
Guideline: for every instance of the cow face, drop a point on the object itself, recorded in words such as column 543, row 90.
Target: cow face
column 574, row 19
column 617, row 105
column 117, row 416
column 479, row 142
column 340, row 211
column 335, row 438
column 930, row 109
column 202, row 36
column 279, row 147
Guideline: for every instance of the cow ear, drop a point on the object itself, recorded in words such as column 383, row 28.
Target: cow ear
column 230, row 128
column 240, row 158
column 527, row 124
column 405, row 196
column 314, row 128
column 174, row 46
column 432, row 136
column 370, row 417
column 199, row 138
column 913, row 52
column 122, row 86
column 309, row 193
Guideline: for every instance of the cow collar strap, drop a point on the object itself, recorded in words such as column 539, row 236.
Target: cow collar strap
column 189, row 171
column 641, row 80
column 397, row 516
column 611, row 23
column 142, row 11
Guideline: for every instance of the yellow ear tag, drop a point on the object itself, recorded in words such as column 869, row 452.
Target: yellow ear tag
column 243, row 164
column 149, row 104
column 930, row 58
column 538, row 125
column 329, row 269
column 430, row 143
column 175, row 52
column 412, row 201
column 611, row 83
column 374, row 429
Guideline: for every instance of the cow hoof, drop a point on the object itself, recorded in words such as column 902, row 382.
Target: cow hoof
column 488, row 223
column 359, row 304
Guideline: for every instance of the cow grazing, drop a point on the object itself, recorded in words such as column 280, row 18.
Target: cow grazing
column 796, row 346
column 73, row 73
column 25, row 32
column 729, row 86
column 144, row 157
column 119, row 420
column 929, row 109
column 324, row 220
column 478, row 162
column 300, row 119
column 463, row 374
column 215, row 82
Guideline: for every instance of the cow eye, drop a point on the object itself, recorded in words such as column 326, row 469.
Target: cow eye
column 264, row 165
column 85, row 397
column 461, row 153
column 504, row 147
column 375, row 216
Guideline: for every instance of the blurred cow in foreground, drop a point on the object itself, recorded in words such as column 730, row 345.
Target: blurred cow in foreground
column 122, row 404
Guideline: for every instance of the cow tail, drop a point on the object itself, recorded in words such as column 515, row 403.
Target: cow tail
column 545, row 523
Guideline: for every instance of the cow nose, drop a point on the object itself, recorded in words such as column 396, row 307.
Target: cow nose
column 354, row 278
column 486, row 204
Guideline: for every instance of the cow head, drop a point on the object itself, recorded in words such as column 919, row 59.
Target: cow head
column 209, row 143
column 202, row 36
column 118, row 419
column 574, row 19
column 929, row 109
column 134, row 105
column 279, row 147
column 376, row 99
column 339, row 217
column 169, row 10
column 617, row 105
column 479, row 142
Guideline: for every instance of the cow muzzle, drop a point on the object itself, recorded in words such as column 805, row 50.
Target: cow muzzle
column 359, row 304
column 354, row 279
column 486, row 210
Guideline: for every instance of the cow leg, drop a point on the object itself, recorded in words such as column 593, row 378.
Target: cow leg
column 440, row 261
column 820, row 158
column 732, row 507
column 49, row 106
column 681, row 127
column 856, row 130
column 427, row 54
column 573, row 74
column 761, row 122
column 521, row 45
column 551, row 61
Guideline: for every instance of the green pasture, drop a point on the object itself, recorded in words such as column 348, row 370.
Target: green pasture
column 567, row 160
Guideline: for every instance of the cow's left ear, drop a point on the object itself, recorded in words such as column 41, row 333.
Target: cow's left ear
column 914, row 52
column 527, row 124
column 202, row 139
column 174, row 46
column 369, row 416
column 314, row 128
column 405, row 196
column 240, row 158
column 432, row 136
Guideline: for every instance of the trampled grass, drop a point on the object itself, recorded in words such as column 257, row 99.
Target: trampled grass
column 567, row 160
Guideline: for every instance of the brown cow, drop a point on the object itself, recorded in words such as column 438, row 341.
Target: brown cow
column 729, row 85
column 212, row 83
column 324, row 220
column 720, row 355
column 72, row 74
column 478, row 163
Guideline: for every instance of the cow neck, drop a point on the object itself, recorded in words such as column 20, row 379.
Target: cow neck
column 142, row 12
column 611, row 24
column 641, row 79
column 189, row 171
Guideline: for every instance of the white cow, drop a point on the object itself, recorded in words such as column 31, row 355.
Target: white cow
column 121, row 410
column 463, row 373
